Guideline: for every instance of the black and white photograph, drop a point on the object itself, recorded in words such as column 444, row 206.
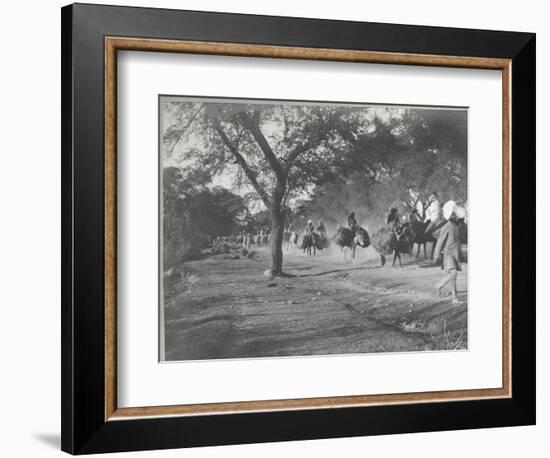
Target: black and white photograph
column 296, row 228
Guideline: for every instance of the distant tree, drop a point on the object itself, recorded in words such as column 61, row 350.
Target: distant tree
column 194, row 212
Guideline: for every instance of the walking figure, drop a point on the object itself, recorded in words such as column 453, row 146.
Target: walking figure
column 448, row 244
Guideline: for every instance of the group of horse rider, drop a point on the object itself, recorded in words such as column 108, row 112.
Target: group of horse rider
column 310, row 229
column 262, row 236
column 447, row 246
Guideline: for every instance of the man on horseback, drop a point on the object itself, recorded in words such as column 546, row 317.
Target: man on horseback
column 350, row 237
column 352, row 222
column 392, row 221
column 321, row 236
column 310, row 238
column 321, row 229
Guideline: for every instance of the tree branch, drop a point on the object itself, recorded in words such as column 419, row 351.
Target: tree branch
column 298, row 150
column 182, row 132
column 253, row 127
column 241, row 161
column 311, row 142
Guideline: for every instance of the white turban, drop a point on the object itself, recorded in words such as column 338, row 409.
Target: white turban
column 460, row 212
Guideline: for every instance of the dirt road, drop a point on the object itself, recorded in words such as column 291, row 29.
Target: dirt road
column 226, row 308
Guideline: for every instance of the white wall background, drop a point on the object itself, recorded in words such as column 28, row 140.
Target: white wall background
column 30, row 227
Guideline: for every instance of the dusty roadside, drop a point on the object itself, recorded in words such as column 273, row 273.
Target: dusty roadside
column 226, row 308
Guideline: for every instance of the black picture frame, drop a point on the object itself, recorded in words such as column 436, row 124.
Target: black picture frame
column 84, row 428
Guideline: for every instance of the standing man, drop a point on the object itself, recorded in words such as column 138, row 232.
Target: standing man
column 448, row 243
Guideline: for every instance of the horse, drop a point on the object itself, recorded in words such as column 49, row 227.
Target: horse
column 346, row 238
column 423, row 235
column 386, row 242
column 323, row 241
column 311, row 242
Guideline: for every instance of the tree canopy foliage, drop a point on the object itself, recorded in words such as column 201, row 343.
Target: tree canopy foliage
column 403, row 161
column 193, row 213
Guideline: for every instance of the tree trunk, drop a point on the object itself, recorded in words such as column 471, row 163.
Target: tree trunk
column 277, row 229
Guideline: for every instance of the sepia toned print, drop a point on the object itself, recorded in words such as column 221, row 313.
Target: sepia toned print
column 293, row 228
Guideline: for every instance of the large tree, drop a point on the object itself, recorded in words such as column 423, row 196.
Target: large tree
column 283, row 150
